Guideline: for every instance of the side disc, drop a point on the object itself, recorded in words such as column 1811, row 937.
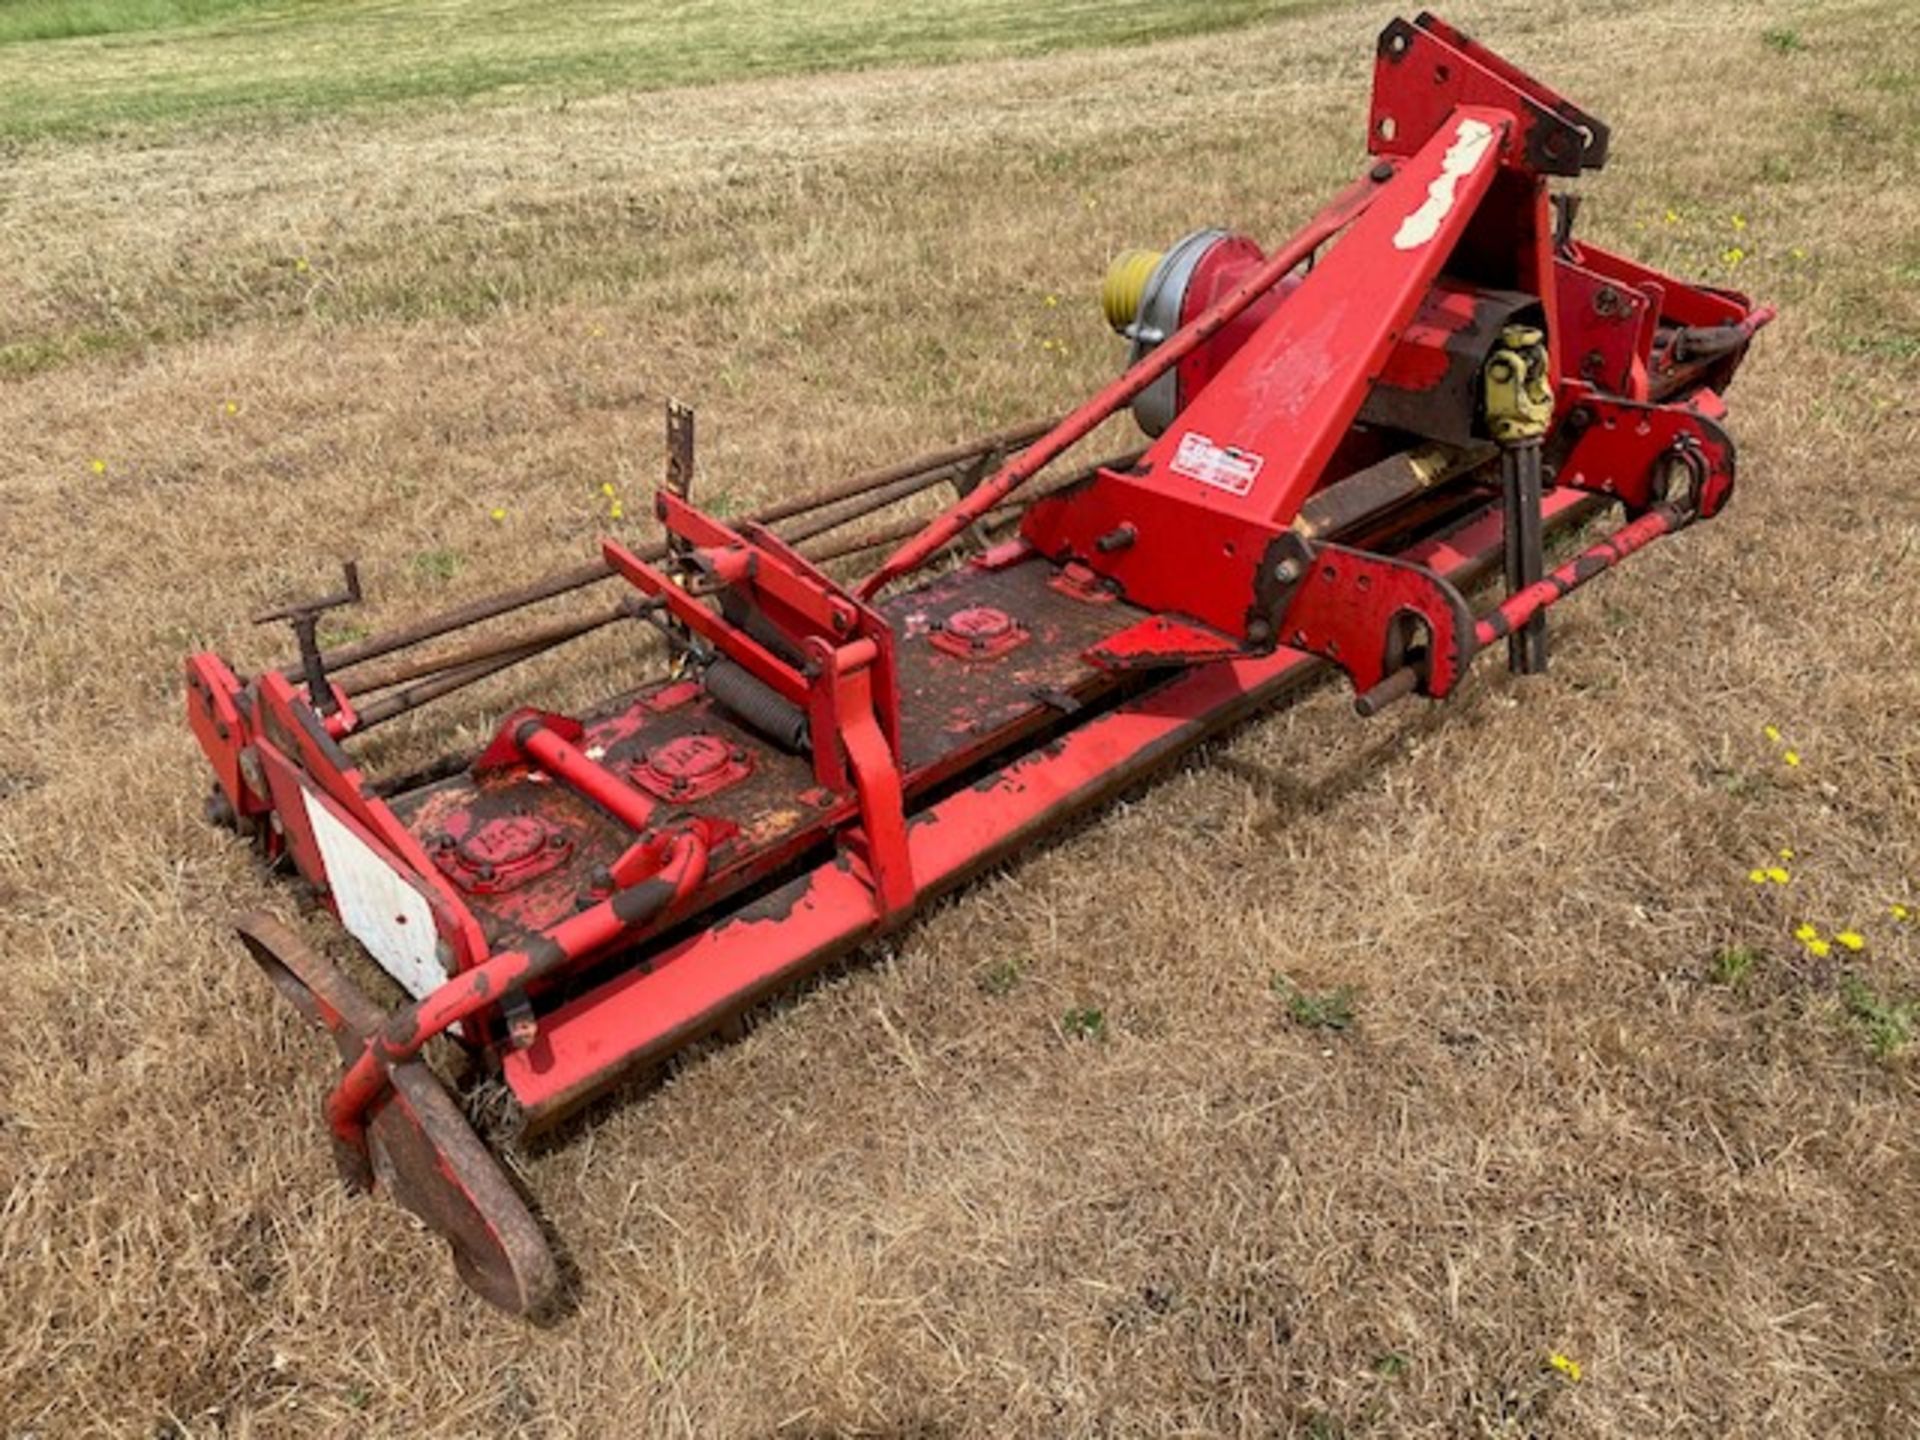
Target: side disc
column 424, row 1149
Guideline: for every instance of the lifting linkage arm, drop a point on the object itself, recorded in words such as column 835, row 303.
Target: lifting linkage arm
column 944, row 528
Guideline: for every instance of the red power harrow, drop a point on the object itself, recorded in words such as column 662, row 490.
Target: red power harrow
column 1419, row 387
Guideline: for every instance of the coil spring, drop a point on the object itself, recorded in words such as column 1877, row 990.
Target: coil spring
column 756, row 705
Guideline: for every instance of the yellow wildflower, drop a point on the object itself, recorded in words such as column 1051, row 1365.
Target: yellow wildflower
column 606, row 488
column 616, row 511
column 1852, row 939
column 1778, row 874
column 1566, row 1365
column 1772, row 732
column 99, row 467
column 1806, row 934
column 498, row 512
column 1820, row 948
column 1786, row 852
column 1758, row 877
column 1739, row 222
column 1792, row 757
column 232, row 409
column 1899, row 912
column 300, row 266
column 1732, row 255
column 1673, row 217
column 1053, row 302
column 1797, row 253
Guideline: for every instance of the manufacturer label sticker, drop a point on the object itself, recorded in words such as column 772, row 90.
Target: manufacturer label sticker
column 1225, row 467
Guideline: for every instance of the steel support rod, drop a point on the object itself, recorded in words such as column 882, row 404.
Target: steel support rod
column 902, row 489
column 542, row 637
column 591, row 572
column 462, row 671
column 558, row 632
column 1525, row 556
column 1014, row 438
column 1516, row 610
column 1369, row 493
column 940, row 531
column 411, row 697
column 574, row 768
column 893, row 534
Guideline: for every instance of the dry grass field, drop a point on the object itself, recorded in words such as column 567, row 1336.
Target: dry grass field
column 1429, row 1048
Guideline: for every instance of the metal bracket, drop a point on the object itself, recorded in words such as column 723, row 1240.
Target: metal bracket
column 964, row 482
column 680, row 449
column 1382, row 620
column 1628, row 450
column 679, row 480
column 304, row 616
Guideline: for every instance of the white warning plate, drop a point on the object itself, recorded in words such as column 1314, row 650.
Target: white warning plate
column 377, row 905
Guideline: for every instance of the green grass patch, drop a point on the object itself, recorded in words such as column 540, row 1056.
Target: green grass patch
column 27, row 357
column 341, row 632
column 1733, row 965
column 116, row 63
column 439, row 565
column 1084, row 1022
column 1328, row 1010
column 1886, row 347
column 22, row 20
column 1886, row 1022
column 1000, row 977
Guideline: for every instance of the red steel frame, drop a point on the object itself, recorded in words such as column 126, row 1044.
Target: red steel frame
column 1227, row 605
